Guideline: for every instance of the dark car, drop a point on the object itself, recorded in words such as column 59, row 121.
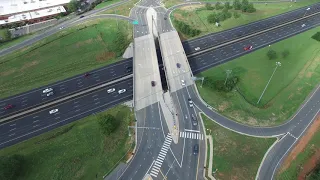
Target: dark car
column 178, row 65
column 196, row 149
column 9, row 106
column 86, row 74
column 129, row 69
column 153, row 83
column 194, row 120
column 81, row 16
column 165, row 18
column 247, row 48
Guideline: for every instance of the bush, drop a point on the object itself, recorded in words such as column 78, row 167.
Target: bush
column 250, row 8
column 316, row 36
column 227, row 5
column 244, row 5
column 108, row 123
column 120, row 43
column 212, row 18
column 186, row 29
column 209, row 6
column 220, row 85
column 11, row 167
column 236, row 15
column 218, row 6
column 285, row 53
column 272, row 54
column 236, row 4
column 73, row 5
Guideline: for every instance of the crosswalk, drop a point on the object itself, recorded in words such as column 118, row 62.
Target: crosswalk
column 191, row 135
column 157, row 164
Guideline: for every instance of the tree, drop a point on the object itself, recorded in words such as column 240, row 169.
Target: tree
column 250, row 8
column 11, row 167
column 227, row 5
column 244, row 5
column 7, row 35
column 218, row 5
column 236, row 15
column 73, row 5
column 272, row 54
column 285, row 54
column 108, row 123
column 209, row 6
column 212, row 18
column 237, row 4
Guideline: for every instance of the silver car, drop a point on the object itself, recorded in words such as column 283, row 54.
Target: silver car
column 50, row 94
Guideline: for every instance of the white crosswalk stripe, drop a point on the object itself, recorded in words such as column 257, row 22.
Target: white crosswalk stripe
column 191, row 135
column 161, row 156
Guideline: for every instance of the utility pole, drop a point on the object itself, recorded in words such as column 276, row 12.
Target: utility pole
column 228, row 73
column 277, row 64
column 202, row 79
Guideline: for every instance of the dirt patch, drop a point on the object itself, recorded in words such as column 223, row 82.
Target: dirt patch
column 301, row 144
column 88, row 41
column 191, row 8
column 309, row 165
column 178, row 16
column 105, row 56
column 223, row 106
column 28, row 65
column 7, row 73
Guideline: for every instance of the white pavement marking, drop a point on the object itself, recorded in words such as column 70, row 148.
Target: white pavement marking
column 191, row 135
column 191, row 130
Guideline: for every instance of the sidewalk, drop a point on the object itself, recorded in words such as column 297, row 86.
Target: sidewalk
column 170, row 116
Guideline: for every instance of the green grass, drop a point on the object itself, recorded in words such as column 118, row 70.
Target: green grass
column 234, row 155
column 67, row 53
column 170, row 3
column 291, row 84
column 106, row 3
column 123, row 9
column 75, row 151
column 292, row 171
column 15, row 41
column 196, row 16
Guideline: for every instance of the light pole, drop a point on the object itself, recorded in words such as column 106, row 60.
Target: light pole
column 306, row 12
column 277, row 64
column 269, row 47
column 202, row 79
column 228, row 73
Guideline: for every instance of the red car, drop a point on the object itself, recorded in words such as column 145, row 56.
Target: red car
column 247, row 48
column 9, row 106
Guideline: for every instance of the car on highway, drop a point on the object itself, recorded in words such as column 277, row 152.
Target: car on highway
column 153, row 83
column 195, row 149
column 129, row 69
column 50, row 94
column 9, row 106
column 61, row 27
column 194, row 120
column 178, row 65
column 190, row 102
column 86, row 74
column 183, row 83
column 53, row 111
column 247, row 48
column 47, row 90
column 303, row 25
column 197, row 48
column 111, row 90
column 122, row 91
column 81, row 16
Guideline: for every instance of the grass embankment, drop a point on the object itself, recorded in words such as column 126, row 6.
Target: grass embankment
column 75, row 151
column 170, row 3
column 106, row 3
column 235, row 156
column 67, row 53
column 292, row 82
column 123, row 9
column 196, row 15
column 298, row 74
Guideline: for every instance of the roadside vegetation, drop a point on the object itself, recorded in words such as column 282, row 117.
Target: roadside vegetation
column 85, row 149
column 123, row 9
column 70, row 52
column 234, row 88
column 228, row 15
column 105, row 3
column 303, row 161
column 235, row 156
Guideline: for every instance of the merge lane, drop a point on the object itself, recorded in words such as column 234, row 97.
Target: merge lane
column 37, row 123
column 244, row 30
column 65, row 87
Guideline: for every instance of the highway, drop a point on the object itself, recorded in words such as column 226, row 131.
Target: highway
column 21, row 131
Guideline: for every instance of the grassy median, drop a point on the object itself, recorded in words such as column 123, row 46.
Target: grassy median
column 106, row 3
column 235, row 156
column 292, row 82
column 78, row 150
column 72, row 51
column 196, row 16
column 123, row 9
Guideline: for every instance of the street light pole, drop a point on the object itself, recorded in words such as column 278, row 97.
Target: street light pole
column 202, row 81
column 277, row 64
column 228, row 72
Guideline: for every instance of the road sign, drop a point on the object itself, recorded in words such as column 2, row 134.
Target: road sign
column 135, row 22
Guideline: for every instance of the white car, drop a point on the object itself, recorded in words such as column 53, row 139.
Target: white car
column 61, row 28
column 53, row 111
column 121, row 91
column 197, row 48
column 183, row 83
column 50, row 94
column 111, row 90
column 303, row 25
column 190, row 102
column 47, row 90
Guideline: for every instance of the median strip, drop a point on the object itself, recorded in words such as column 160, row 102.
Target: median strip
column 65, row 98
column 251, row 35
